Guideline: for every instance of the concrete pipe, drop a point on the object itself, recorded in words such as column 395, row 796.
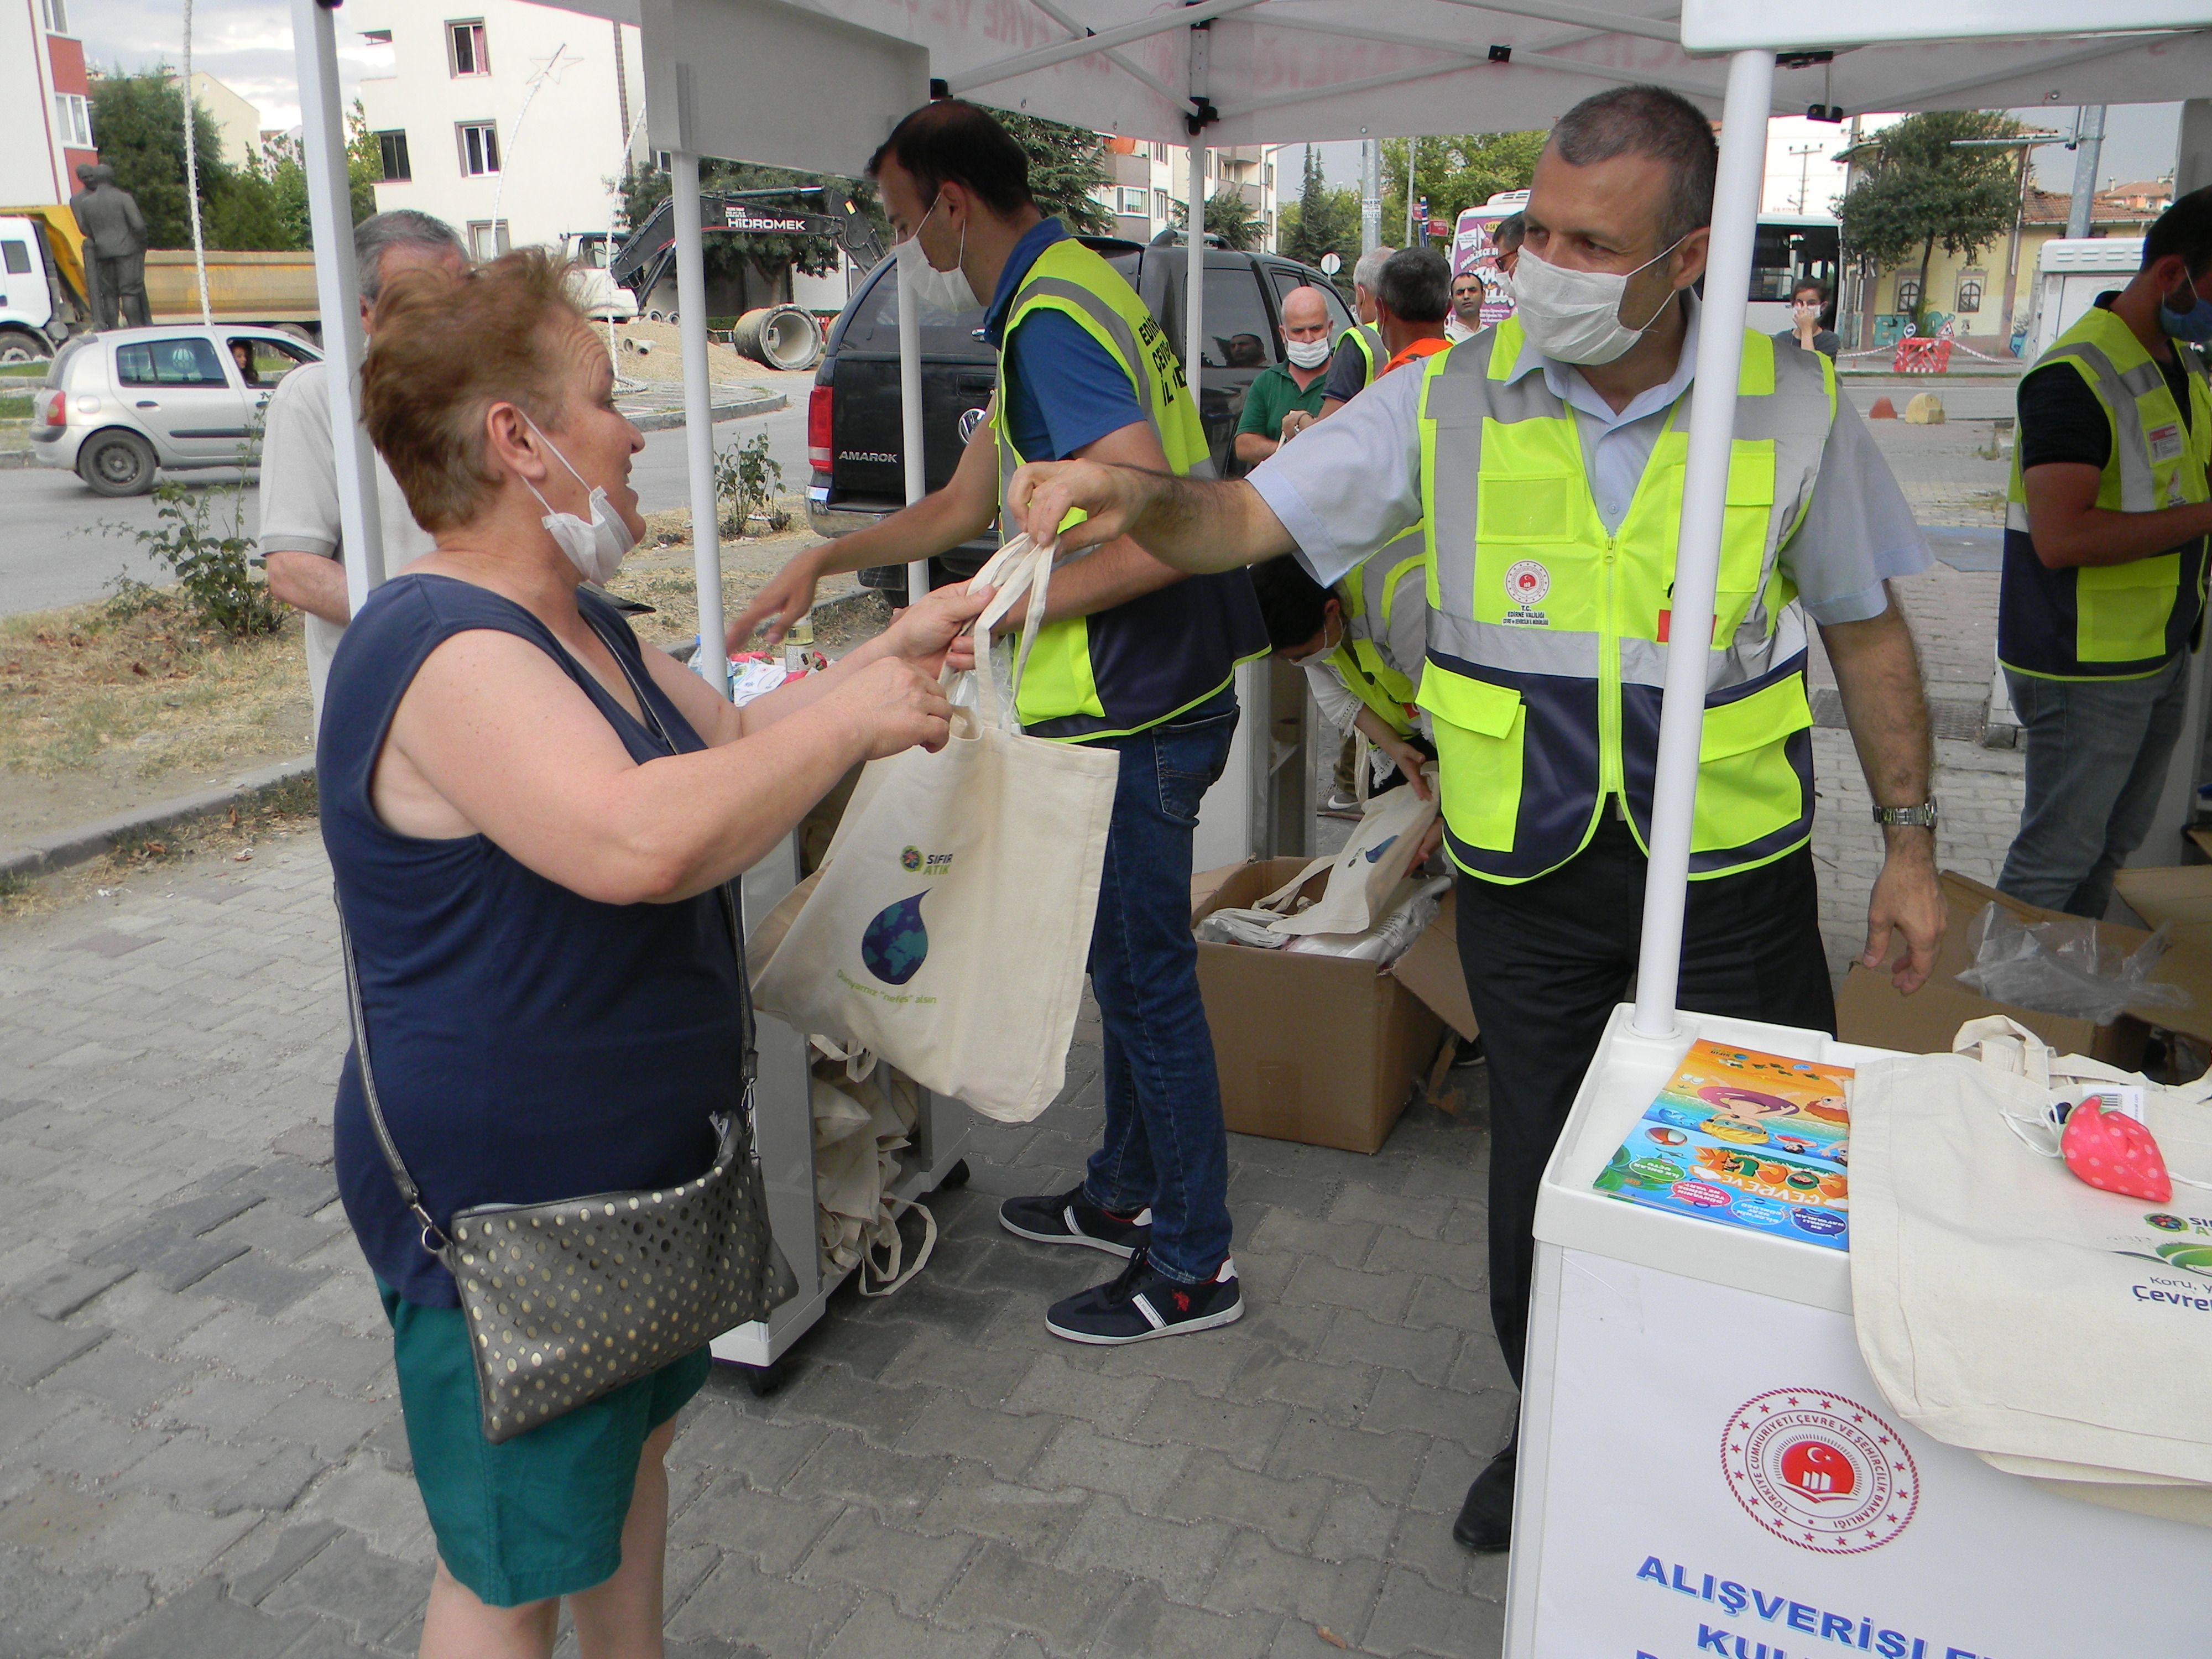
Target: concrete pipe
column 782, row 337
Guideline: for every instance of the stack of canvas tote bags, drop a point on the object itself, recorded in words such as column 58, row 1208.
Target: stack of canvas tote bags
column 947, row 929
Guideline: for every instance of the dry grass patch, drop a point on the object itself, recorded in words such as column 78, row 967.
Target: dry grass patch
column 88, row 681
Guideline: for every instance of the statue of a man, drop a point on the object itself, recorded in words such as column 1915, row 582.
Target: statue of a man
column 115, row 246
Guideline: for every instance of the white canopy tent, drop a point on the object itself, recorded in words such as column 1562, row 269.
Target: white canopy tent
column 818, row 86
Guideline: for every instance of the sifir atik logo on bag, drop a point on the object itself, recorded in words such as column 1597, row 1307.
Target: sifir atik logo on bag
column 1819, row 1471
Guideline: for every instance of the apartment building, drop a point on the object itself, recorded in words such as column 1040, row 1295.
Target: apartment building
column 511, row 122
column 46, row 109
column 1152, row 178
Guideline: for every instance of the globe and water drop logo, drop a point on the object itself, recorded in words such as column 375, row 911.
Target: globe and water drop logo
column 895, row 943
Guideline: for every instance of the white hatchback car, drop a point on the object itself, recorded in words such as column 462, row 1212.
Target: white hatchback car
column 121, row 405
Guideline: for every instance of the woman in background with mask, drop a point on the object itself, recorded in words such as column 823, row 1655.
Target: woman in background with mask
column 1809, row 301
column 528, row 816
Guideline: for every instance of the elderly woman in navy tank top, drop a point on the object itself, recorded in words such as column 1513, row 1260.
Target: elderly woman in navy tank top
column 528, row 816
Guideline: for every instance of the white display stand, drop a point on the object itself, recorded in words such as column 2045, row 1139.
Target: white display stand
column 1689, row 1389
column 783, row 1128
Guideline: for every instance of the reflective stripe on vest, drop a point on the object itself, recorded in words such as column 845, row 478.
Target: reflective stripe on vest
column 1369, row 339
column 1369, row 597
column 1547, row 636
column 2114, row 621
column 1091, row 677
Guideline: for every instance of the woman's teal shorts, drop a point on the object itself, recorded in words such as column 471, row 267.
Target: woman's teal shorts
column 538, row 1516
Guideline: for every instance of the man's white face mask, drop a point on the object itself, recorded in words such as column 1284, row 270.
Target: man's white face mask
column 1306, row 354
column 939, row 290
column 596, row 549
column 1328, row 647
column 1574, row 316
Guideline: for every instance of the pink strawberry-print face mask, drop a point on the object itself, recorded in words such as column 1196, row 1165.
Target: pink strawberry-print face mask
column 2108, row 1149
column 2105, row 1144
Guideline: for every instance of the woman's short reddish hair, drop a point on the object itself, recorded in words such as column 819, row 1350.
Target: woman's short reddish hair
column 443, row 349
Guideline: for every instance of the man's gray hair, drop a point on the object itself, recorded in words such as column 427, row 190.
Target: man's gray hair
column 377, row 234
column 1643, row 120
column 1369, row 270
column 1415, row 285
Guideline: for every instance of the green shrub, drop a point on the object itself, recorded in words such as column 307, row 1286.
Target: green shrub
column 214, row 571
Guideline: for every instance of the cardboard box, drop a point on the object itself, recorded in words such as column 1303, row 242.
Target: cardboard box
column 1312, row 1048
column 1870, row 1010
column 2179, row 898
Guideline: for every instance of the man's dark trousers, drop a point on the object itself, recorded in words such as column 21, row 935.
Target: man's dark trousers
column 1547, row 960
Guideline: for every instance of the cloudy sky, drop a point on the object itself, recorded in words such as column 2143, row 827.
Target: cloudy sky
column 247, row 45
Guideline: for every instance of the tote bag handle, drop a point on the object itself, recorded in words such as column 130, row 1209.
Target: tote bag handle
column 1019, row 567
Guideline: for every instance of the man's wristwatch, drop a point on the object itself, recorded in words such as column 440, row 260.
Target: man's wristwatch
column 1922, row 816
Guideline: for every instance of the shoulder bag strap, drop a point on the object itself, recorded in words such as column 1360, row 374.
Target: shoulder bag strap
column 409, row 1193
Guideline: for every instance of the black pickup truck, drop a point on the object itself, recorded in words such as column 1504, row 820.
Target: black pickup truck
column 853, row 433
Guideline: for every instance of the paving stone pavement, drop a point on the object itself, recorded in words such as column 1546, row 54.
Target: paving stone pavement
column 201, row 1452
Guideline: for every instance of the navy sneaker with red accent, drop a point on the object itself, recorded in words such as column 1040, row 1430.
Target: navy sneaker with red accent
column 1069, row 1218
column 1143, row 1303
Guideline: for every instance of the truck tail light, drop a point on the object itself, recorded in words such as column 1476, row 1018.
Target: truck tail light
column 53, row 407
column 819, row 454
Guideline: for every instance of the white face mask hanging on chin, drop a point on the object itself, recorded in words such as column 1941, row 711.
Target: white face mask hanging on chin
column 939, row 290
column 1574, row 316
column 596, row 548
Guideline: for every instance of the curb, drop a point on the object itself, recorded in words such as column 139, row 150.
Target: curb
column 88, row 841
column 663, row 420
column 15, row 460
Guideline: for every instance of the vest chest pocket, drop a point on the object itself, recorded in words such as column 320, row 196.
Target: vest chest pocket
column 1747, row 787
column 1480, row 730
column 1746, row 520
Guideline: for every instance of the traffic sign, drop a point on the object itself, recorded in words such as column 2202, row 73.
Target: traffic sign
column 1330, row 264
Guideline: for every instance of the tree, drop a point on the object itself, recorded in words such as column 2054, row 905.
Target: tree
column 1323, row 221
column 1922, row 191
column 1461, row 171
column 1228, row 216
column 1068, row 171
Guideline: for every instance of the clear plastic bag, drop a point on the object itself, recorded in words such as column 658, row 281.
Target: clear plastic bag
column 2062, row 967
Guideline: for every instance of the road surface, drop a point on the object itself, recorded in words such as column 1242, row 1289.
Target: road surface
column 61, row 544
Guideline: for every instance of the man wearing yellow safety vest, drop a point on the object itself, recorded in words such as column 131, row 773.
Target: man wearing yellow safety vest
column 1360, row 352
column 1546, row 458
column 1135, row 657
column 2103, row 599
column 1362, row 644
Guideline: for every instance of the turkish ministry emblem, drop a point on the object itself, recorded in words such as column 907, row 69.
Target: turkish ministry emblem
column 1527, row 583
column 1819, row 1471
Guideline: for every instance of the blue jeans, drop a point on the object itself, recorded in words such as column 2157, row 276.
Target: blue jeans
column 2097, row 751
column 1165, row 1144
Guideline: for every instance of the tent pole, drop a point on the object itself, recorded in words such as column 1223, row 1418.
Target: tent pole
column 1194, row 300
column 1697, row 559
column 910, row 434
column 338, row 291
column 698, row 413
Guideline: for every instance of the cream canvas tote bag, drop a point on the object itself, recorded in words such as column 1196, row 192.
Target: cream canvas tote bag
column 949, row 925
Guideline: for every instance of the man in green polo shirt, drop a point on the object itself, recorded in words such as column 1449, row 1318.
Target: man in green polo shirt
column 1286, row 386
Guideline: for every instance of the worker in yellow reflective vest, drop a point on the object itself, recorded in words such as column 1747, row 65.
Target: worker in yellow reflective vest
column 1134, row 656
column 1544, row 457
column 1362, row 644
column 2102, row 597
